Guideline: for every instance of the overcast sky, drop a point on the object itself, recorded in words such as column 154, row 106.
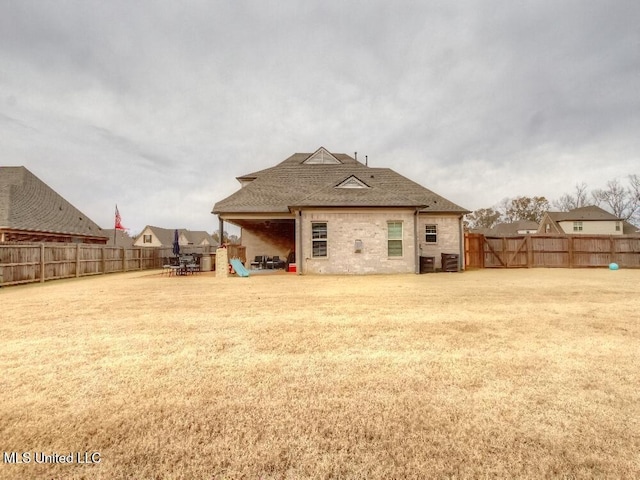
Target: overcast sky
column 158, row 105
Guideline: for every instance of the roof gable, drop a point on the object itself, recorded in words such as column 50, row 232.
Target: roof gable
column 352, row 182
column 322, row 157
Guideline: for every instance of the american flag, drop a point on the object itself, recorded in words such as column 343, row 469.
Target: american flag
column 118, row 220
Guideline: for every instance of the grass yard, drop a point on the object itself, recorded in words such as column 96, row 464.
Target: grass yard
column 483, row 374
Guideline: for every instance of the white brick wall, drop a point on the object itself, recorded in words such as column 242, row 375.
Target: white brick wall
column 448, row 236
column 344, row 228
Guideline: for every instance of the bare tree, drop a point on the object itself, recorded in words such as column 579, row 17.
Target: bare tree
column 634, row 189
column 623, row 202
column 569, row 202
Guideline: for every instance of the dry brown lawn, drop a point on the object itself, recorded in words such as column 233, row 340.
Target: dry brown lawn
column 483, row 374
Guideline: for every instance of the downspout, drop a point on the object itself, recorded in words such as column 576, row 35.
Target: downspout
column 416, row 253
column 461, row 262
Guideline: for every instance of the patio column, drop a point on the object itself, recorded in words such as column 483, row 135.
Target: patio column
column 416, row 243
column 221, row 229
column 298, row 230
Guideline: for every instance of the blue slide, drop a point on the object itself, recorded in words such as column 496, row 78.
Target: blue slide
column 238, row 267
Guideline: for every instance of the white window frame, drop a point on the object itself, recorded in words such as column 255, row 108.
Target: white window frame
column 389, row 239
column 147, row 239
column 577, row 226
column 433, row 233
column 320, row 239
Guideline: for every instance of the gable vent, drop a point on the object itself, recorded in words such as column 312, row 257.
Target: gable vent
column 352, row 182
column 322, row 157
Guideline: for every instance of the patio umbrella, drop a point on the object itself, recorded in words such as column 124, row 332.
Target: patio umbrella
column 176, row 244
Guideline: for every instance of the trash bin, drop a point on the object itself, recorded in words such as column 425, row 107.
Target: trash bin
column 205, row 262
column 427, row 264
column 450, row 262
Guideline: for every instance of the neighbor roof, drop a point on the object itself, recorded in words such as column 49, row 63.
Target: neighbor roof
column 294, row 183
column 588, row 213
column 511, row 229
column 165, row 235
column 29, row 204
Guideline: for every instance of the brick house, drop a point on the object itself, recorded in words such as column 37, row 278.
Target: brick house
column 336, row 215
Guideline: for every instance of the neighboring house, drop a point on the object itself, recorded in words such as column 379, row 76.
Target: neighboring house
column 512, row 229
column 589, row 220
column 31, row 211
column 336, row 215
column 122, row 238
column 163, row 237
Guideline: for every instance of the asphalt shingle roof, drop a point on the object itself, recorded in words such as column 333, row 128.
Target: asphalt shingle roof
column 292, row 183
column 29, row 204
column 590, row 212
column 166, row 235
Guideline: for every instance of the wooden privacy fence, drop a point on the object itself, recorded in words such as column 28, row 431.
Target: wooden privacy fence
column 570, row 251
column 26, row 263
column 39, row 262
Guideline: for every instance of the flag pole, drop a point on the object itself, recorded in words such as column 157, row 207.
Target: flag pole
column 115, row 229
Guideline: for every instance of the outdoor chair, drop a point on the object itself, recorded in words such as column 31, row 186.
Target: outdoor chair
column 258, row 262
column 166, row 265
column 276, row 262
column 197, row 257
column 187, row 264
column 170, row 265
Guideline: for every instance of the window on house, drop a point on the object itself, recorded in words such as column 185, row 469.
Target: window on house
column 617, row 226
column 319, row 240
column 394, row 239
column 431, row 233
column 146, row 239
column 577, row 226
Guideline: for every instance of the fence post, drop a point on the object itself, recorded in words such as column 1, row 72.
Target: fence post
column 103, row 262
column 612, row 249
column 77, row 260
column 504, row 251
column 42, row 263
column 124, row 260
column 570, row 247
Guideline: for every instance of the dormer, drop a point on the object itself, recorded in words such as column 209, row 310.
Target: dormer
column 322, row 157
column 352, row 182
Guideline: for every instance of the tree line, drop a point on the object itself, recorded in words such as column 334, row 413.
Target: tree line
column 620, row 199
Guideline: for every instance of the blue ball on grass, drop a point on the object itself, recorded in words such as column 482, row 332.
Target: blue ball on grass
column 613, row 266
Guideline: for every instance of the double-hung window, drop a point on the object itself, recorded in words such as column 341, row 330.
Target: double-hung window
column 577, row 226
column 394, row 239
column 146, row 239
column 319, row 239
column 431, row 233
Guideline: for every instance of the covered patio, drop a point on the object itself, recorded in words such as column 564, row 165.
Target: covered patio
column 269, row 236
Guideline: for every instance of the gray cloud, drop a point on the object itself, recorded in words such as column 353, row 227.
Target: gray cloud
column 159, row 105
